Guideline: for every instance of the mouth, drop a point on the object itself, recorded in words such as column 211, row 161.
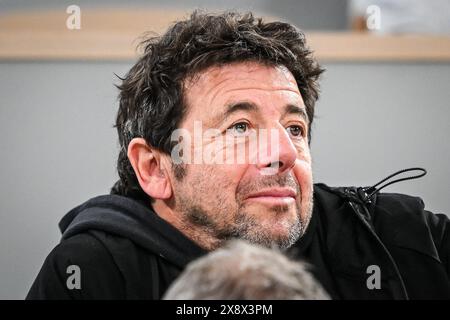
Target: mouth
column 275, row 196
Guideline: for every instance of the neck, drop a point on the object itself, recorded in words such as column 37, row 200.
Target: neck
column 199, row 235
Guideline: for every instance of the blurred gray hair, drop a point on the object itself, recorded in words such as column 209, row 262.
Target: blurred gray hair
column 241, row 271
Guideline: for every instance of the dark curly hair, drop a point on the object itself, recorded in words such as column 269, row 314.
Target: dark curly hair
column 151, row 94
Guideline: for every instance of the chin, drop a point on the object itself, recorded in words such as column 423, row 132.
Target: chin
column 268, row 227
column 280, row 230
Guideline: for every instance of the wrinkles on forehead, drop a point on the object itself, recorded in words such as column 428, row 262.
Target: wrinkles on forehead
column 216, row 82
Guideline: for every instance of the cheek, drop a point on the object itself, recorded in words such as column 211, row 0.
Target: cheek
column 220, row 180
column 232, row 174
column 303, row 173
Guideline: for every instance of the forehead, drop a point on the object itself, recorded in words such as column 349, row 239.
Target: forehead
column 222, row 82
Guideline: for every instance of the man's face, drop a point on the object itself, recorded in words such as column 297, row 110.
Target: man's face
column 267, row 198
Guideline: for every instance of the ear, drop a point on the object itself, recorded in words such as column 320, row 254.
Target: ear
column 146, row 162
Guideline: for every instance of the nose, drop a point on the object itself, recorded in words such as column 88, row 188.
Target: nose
column 276, row 153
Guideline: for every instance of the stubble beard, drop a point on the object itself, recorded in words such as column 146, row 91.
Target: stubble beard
column 210, row 231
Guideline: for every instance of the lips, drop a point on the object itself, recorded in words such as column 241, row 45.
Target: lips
column 275, row 193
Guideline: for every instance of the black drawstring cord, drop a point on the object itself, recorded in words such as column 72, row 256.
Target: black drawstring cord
column 371, row 191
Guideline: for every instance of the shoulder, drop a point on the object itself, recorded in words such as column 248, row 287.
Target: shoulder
column 400, row 220
column 401, row 204
column 390, row 212
column 83, row 248
column 407, row 203
column 79, row 267
column 408, row 210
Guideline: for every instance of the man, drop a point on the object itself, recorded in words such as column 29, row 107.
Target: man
column 240, row 271
column 214, row 125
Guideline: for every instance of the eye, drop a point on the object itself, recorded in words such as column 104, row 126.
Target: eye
column 239, row 129
column 296, row 131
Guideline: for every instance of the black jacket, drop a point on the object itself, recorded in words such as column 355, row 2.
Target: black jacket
column 125, row 251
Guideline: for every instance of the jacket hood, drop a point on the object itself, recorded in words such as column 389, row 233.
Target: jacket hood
column 131, row 219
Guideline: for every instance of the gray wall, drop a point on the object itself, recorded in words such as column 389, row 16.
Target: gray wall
column 375, row 119
column 59, row 147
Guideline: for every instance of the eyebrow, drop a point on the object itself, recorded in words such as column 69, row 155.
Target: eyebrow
column 294, row 109
column 240, row 106
column 251, row 107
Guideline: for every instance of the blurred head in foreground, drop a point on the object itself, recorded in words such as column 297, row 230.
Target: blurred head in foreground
column 240, row 271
